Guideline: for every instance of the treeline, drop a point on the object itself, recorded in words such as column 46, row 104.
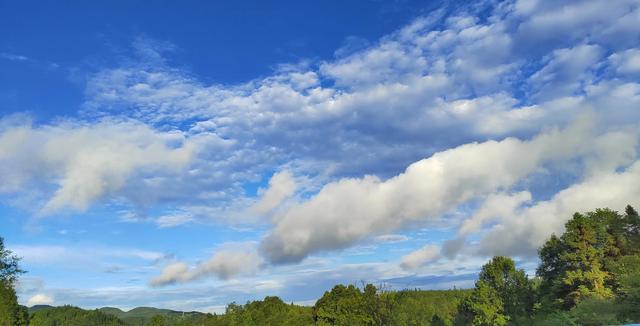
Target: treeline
column 343, row 305
column 589, row 275
column 72, row 316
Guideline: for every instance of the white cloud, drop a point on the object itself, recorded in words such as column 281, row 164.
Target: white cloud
column 421, row 89
column 281, row 186
column 349, row 210
column 420, row 257
column 40, row 299
column 547, row 23
column 523, row 231
column 172, row 273
column 437, row 83
column 494, row 206
column 86, row 162
column 224, row 264
column 173, row 220
column 626, row 62
column 567, row 71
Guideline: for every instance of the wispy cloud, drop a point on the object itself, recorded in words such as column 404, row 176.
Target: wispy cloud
column 13, row 57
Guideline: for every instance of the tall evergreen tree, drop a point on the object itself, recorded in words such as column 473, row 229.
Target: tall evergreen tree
column 632, row 230
column 11, row 314
column 584, row 272
column 9, row 269
column 572, row 267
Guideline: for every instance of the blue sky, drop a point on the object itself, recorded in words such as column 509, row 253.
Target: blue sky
column 186, row 155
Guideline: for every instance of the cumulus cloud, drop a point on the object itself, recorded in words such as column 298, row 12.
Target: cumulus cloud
column 626, row 62
column 349, row 210
column 281, row 186
column 566, row 71
column 522, row 231
column 420, row 257
column 86, row 162
column 224, row 264
column 40, row 299
column 494, row 206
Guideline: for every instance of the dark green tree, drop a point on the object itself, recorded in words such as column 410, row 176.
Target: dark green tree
column 10, row 312
column 586, row 247
column 551, row 270
column 574, row 266
column 9, row 269
column 632, row 231
column 626, row 272
column 8, row 305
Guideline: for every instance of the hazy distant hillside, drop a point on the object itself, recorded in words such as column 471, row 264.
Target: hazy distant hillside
column 38, row 307
column 135, row 317
column 142, row 315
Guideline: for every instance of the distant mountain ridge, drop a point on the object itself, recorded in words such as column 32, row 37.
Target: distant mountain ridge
column 38, row 307
column 135, row 317
column 141, row 315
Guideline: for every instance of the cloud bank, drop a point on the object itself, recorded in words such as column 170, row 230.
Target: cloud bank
column 350, row 210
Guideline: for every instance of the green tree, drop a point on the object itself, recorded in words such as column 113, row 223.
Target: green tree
column 512, row 285
column 573, row 267
column 270, row 311
column 9, row 269
column 483, row 307
column 11, row 314
column 8, row 305
column 343, row 305
column 551, row 270
column 584, row 274
column 22, row 316
column 418, row 307
column 502, row 293
column 157, row 320
column 632, row 231
column 595, row 312
column 627, row 278
column 592, row 271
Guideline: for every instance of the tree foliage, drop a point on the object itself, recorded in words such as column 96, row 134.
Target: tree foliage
column 584, row 263
column 11, row 314
column 502, row 293
column 9, row 269
column 72, row 316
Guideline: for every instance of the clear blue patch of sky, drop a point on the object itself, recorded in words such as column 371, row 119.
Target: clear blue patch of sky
column 221, row 42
